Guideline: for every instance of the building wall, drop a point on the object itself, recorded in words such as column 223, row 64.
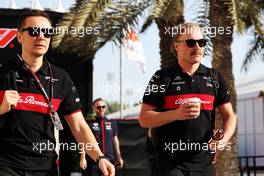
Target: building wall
column 251, row 128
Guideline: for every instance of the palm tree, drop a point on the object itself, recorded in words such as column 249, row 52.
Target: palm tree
column 111, row 19
column 167, row 14
column 227, row 162
column 241, row 15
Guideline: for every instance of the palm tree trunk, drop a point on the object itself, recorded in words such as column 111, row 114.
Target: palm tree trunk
column 176, row 17
column 220, row 16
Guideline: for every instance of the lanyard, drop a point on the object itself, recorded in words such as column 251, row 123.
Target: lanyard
column 48, row 99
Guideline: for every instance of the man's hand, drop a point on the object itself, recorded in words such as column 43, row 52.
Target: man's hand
column 106, row 167
column 83, row 163
column 217, row 145
column 119, row 163
column 188, row 111
column 10, row 100
column 217, row 142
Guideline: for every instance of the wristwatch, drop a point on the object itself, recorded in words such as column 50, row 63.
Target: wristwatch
column 101, row 157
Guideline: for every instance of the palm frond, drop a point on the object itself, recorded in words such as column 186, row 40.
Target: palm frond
column 116, row 30
column 256, row 51
column 90, row 12
column 260, row 3
column 157, row 11
column 173, row 11
column 83, row 16
column 112, row 18
column 132, row 17
column 95, row 9
column 239, row 22
column 65, row 23
column 246, row 14
column 200, row 9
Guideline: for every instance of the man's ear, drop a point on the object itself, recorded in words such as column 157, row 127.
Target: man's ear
column 176, row 46
column 93, row 108
column 19, row 37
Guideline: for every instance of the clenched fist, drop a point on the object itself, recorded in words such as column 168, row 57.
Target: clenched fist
column 10, row 100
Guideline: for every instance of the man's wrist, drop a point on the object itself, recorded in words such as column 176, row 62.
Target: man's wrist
column 119, row 158
column 101, row 157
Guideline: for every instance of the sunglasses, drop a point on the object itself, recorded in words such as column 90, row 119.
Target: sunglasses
column 191, row 42
column 36, row 31
column 100, row 107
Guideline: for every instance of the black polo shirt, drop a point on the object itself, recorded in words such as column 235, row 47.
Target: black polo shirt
column 185, row 141
column 28, row 127
column 104, row 130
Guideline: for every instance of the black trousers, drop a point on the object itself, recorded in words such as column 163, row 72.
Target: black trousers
column 9, row 171
column 169, row 168
column 178, row 172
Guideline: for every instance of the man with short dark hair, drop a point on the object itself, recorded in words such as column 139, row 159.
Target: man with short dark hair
column 179, row 106
column 31, row 92
column 105, row 131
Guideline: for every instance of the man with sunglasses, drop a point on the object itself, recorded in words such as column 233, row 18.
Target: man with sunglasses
column 31, row 92
column 105, row 131
column 181, row 109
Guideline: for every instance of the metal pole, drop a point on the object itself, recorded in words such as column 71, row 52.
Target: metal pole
column 254, row 165
column 121, row 75
column 121, row 82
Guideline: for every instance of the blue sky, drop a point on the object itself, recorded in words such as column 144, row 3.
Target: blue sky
column 107, row 60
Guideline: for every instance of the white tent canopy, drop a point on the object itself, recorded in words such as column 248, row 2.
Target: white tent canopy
column 250, row 87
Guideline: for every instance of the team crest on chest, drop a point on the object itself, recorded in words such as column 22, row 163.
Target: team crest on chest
column 108, row 125
column 95, row 126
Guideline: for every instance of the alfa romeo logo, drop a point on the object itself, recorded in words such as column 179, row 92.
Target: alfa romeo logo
column 6, row 36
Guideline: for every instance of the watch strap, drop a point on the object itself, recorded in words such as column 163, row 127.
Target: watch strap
column 101, row 157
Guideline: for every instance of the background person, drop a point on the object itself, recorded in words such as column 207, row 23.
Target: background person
column 105, row 131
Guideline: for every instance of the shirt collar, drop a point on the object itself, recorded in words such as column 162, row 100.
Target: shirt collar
column 201, row 69
column 99, row 118
column 43, row 69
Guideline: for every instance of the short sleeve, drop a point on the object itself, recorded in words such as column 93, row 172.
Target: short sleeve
column 71, row 102
column 2, row 90
column 114, row 127
column 156, row 87
column 222, row 94
column 3, row 81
